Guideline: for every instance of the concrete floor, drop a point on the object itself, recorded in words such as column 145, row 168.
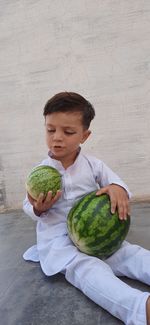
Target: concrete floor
column 28, row 297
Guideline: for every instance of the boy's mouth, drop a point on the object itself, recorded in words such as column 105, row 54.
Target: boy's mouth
column 58, row 147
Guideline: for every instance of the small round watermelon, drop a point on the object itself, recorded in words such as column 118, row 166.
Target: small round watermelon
column 94, row 229
column 43, row 179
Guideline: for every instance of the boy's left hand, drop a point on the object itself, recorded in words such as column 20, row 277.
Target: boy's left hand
column 119, row 199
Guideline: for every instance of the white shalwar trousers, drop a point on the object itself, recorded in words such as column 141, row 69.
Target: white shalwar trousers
column 99, row 281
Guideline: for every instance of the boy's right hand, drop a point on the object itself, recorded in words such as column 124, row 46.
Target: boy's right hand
column 42, row 204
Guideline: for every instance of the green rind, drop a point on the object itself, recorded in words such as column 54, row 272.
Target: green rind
column 43, row 179
column 94, row 229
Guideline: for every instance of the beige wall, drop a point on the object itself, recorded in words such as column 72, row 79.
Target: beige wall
column 98, row 48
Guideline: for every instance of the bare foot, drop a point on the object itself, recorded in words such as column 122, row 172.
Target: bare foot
column 148, row 311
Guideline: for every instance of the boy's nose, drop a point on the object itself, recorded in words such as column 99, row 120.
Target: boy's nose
column 58, row 136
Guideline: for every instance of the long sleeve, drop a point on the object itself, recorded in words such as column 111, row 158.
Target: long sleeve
column 104, row 175
column 28, row 209
column 109, row 177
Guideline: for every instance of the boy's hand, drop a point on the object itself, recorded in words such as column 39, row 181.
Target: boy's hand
column 42, row 204
column 118, row 198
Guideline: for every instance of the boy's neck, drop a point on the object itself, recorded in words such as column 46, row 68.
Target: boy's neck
column 66, row 162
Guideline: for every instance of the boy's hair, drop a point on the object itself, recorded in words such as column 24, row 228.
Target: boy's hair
column 70, row 102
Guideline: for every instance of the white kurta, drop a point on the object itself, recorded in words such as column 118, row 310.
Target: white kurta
column 54, row 249
column 96, row 278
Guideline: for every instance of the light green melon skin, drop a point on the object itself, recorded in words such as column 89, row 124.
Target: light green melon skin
column 92, row 227
column 43, row 179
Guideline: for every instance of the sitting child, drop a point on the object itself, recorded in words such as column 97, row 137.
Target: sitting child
column 67, row 120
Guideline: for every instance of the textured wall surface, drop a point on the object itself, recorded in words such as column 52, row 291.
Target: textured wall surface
column 100, row 49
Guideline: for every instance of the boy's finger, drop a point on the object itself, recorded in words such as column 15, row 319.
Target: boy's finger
column 59, row 193
column 48, row 197
column 101, row 191
column 123, row 210
column 57, row 196
column 40, row 198
column 113, row 204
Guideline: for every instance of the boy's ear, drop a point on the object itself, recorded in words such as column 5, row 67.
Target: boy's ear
column 86, row 134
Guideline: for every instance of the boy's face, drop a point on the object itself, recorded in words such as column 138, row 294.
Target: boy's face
column 64, row 134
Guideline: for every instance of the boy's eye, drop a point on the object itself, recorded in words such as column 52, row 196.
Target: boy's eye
column 65, row 131
column 51, row 131
column 69, row 132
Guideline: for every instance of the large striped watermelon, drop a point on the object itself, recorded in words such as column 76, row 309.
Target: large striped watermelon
column 94, row 229
column 43, row 179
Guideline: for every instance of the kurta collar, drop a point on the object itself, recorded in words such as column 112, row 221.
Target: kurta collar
column 58, row 163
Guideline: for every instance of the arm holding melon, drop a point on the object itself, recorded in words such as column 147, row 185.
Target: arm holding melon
column 111, row 184
column 31, row 208
column 119, row 199
column 42, row 204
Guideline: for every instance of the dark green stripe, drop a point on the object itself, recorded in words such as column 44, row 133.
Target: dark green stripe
column 83, row 204
column 102, row 238
column 81, row 215
column 92, row 217
column 74, row 213
column 108, row 246
column 90, row 210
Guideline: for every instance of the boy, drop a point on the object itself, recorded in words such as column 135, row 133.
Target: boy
column 67, row 120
